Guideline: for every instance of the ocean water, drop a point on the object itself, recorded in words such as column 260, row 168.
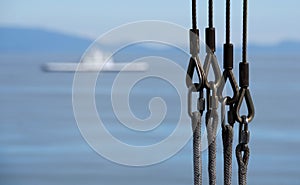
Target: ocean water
column 40, row 142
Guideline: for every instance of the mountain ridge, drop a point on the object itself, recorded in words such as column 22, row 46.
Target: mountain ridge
column 27, row 40
column 30, row 40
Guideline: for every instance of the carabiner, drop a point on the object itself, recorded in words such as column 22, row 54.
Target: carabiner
column 242, row 149
column 201, row 101
column 212, row 98
column 190, row 94
column 244, row 134
column 245, row 93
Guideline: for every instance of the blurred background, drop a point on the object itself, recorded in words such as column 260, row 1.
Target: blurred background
column 40, row 142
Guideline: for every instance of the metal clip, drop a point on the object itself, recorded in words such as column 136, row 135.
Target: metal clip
column 230, row 113
column 201, row 101
column 212, row 97
column 244, row 134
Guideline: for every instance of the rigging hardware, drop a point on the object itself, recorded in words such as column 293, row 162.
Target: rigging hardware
column 227, row 129
column 242, row 150
column 214, row 95
column 195, row 65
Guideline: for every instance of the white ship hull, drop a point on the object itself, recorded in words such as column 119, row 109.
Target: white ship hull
column 94, row 67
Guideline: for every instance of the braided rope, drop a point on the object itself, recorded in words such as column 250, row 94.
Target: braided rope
column 227, row 136
column 196, row 121
column 242, row 155
column 212, row 148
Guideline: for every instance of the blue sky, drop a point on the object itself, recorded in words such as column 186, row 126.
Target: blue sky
column 271, row 21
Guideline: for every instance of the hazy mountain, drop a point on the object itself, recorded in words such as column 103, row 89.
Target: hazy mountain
column 27, row 40
column 30, row 40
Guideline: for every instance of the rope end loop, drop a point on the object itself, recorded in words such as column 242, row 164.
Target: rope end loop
column 245, row 93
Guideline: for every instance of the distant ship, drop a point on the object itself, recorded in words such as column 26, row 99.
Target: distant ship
column 93, row 62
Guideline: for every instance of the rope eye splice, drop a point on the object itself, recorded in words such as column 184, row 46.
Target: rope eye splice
column 214, row 90
column 195, row 66
column 244, row 74
column 211, row 117
column 227, row 129
column 195, row 62
column 242, row 150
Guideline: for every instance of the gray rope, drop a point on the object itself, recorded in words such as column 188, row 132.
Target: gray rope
column 245, row 22
column 227, row 21
column 196, row 121
column 212, row 149
column 227, row 136
column 242, row 155
column 194, row 14
column 210, row 13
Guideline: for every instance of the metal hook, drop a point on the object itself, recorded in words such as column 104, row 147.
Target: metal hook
column 245, row 93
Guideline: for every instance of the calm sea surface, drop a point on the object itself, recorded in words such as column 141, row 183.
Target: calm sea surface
column 40, row 142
